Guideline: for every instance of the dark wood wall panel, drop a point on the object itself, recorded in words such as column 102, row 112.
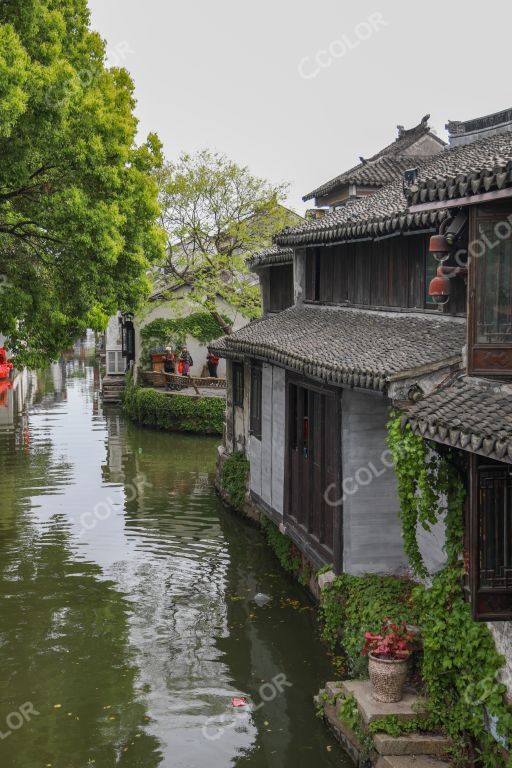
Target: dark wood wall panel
column 310, row 274
column 280, row 290
column 379, row 267
column 398, row 278
column 339, row 278
column 417, row 253
column 386, row 273
column 326, row 276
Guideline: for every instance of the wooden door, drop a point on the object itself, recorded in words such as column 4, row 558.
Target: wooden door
column 313, row 466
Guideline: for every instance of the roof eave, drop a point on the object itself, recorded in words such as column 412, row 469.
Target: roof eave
column 374, row 380
column 405, row 221
column 457, row 438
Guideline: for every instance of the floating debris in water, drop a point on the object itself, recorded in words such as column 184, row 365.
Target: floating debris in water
column 261, row 600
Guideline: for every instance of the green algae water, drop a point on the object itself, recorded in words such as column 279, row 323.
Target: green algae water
column 127, row 612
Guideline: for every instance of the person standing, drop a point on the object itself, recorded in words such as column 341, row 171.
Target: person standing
column 169, row 361
column 213, row 362
column 186, row 361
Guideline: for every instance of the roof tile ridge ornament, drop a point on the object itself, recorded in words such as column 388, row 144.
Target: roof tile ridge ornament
column 421, row 127
column 416, row 132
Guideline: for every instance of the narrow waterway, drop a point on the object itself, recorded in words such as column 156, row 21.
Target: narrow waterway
column 127, row 612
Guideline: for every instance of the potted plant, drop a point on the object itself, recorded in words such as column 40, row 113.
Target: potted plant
column 388, row 653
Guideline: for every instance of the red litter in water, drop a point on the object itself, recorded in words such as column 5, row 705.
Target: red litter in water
column 239, row 701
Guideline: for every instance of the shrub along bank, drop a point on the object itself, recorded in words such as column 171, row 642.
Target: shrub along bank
column 176, row 413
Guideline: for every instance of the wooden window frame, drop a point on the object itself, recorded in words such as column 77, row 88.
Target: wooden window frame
column 256, row 407
column 238, row 375
column 485, row 359
column 488, row 604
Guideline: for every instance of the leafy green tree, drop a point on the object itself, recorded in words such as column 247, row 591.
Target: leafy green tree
column 78, row 199
column 216, row 214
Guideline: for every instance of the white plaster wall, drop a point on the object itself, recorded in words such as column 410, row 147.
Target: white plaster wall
column 229, row 421
column 431, row 545
column 299, row 276
column 267, row 455
column 502, row 633
column 182, row 306
column 372, row 541
column 266, row 435
column 241, row 416
column 254, row 451
column 239, row 430
column 278, row 437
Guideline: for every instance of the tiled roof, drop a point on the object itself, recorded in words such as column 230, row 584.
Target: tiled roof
column 270, row 256
column 341, row 345
column 471, row 414
column 384, row 166
column 371, row 173
column 385, row 212
column 464, row 131
column 376, row 215
column 482, row 166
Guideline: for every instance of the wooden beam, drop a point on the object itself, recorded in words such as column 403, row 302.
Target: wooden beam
column 460, row 202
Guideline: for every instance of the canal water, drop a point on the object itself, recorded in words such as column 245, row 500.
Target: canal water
column 127, row 612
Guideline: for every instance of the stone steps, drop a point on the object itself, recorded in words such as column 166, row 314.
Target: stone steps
column 112, row 388
column 410, row 708
column 411, row 750
column 410, row 761
column 411, row 744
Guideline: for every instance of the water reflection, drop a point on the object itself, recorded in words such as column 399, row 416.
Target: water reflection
column 64, row 627
column 13, row 396
column 126, row 601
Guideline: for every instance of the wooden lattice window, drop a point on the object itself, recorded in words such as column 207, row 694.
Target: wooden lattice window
column 238, row 384
column 256, row 401
column 490, row 292
column 491, row 545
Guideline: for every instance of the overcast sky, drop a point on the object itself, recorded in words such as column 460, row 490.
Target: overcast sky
column 298, row 90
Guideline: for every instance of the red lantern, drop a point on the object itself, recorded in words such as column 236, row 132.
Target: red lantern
column 439, row 287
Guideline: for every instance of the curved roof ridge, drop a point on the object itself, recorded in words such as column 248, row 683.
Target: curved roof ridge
column 405, row 139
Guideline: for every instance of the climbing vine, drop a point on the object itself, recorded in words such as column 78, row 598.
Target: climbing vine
column 235, row 472
column 353, row 605
column 284, row 549
column 348, row 713
column 460, row 671
column 460, row 667
column 429, row 485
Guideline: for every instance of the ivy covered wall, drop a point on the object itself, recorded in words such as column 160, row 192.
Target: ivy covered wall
column 180, row 320
column 462, row 669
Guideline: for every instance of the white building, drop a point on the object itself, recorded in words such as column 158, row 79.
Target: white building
column 179, row 306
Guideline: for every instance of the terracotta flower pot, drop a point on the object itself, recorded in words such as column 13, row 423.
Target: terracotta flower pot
column 387, row 677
